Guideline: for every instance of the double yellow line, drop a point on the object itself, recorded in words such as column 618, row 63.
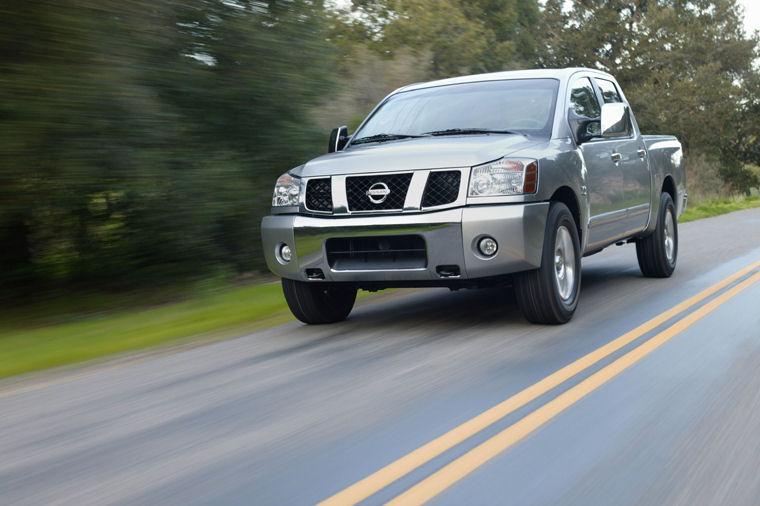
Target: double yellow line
column 467, row 463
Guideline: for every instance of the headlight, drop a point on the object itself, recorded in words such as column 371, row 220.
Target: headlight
column 286, row 191
column 508, row 176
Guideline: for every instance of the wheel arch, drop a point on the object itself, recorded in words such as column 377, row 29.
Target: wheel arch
column 669, row 186
column 567, row 196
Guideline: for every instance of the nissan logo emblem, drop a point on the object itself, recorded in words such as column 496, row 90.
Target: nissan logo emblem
column 378, row 192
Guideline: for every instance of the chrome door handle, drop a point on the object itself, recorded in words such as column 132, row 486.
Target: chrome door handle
column 642, row 153
column 616, row 157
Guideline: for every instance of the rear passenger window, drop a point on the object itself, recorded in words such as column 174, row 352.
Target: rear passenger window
column 583, row 99
column 609, row 91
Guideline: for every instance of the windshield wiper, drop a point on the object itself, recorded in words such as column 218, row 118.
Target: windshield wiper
column 382, row 138
column 468, row 131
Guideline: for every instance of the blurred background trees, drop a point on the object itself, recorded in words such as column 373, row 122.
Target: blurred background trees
column 139, row 140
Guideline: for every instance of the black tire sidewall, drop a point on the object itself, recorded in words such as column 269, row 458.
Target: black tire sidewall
column 560, row 215
column 662, row 266
column 320, row 302
column 667, row 205
column 650, row 249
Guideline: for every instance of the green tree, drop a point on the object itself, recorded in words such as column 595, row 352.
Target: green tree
column 685, row 66
column 458, row 37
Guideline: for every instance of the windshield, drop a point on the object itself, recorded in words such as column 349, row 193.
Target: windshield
column 524, row 106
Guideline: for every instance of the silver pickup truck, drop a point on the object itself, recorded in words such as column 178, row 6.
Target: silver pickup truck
column 502, row 178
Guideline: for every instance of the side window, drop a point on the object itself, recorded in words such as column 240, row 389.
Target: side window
column 609, row 91
column 583, row 99
column 612, row 96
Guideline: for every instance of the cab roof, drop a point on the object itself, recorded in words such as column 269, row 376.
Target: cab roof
column 560, row 74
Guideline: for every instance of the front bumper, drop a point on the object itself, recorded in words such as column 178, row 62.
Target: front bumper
column 450, row 238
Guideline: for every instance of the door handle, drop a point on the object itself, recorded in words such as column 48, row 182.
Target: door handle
column 616, row 157
column 642, row 153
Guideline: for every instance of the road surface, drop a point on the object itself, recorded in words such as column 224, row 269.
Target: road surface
column 623, row 405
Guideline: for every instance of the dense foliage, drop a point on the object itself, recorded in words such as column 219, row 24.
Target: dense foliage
column 139, row 140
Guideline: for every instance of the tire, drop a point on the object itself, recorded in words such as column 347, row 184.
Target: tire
column 657, row 253
column 319, row 302
column 550, row 293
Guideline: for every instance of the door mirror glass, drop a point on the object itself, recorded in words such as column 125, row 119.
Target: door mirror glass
column 616, row 120
column 594, row 128
column 338, row 139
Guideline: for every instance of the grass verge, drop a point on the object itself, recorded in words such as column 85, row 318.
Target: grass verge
column 68, row 330
column 26, row 345
column 718, row 207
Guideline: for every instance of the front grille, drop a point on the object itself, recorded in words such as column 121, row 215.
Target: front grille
column 441, row 188
column 358, row 198
column 376, row 253
column 319, row 195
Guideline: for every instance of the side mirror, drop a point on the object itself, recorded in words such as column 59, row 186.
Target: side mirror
column 338, row 139
column 616, row 120
column 583, row 127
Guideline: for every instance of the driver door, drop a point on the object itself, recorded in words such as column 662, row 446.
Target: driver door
column 604, row 174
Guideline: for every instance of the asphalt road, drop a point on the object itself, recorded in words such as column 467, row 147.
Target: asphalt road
column 296, row 414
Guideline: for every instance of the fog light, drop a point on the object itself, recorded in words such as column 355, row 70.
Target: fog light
column 487, row 246
column 285, row 253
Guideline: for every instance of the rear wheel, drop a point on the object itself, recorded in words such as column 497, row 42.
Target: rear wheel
column 549, row 294
column 319, row 302
column 657, row 253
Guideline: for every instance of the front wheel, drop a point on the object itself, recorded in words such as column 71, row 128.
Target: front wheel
column 657, row 253
column 319, row 302
column 550, row 293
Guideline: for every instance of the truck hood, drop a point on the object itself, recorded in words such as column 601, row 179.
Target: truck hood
column 417, row 153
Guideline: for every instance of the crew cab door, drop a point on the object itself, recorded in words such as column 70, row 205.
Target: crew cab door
column 617, row 174
column 604, row 177
column 630, row 156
